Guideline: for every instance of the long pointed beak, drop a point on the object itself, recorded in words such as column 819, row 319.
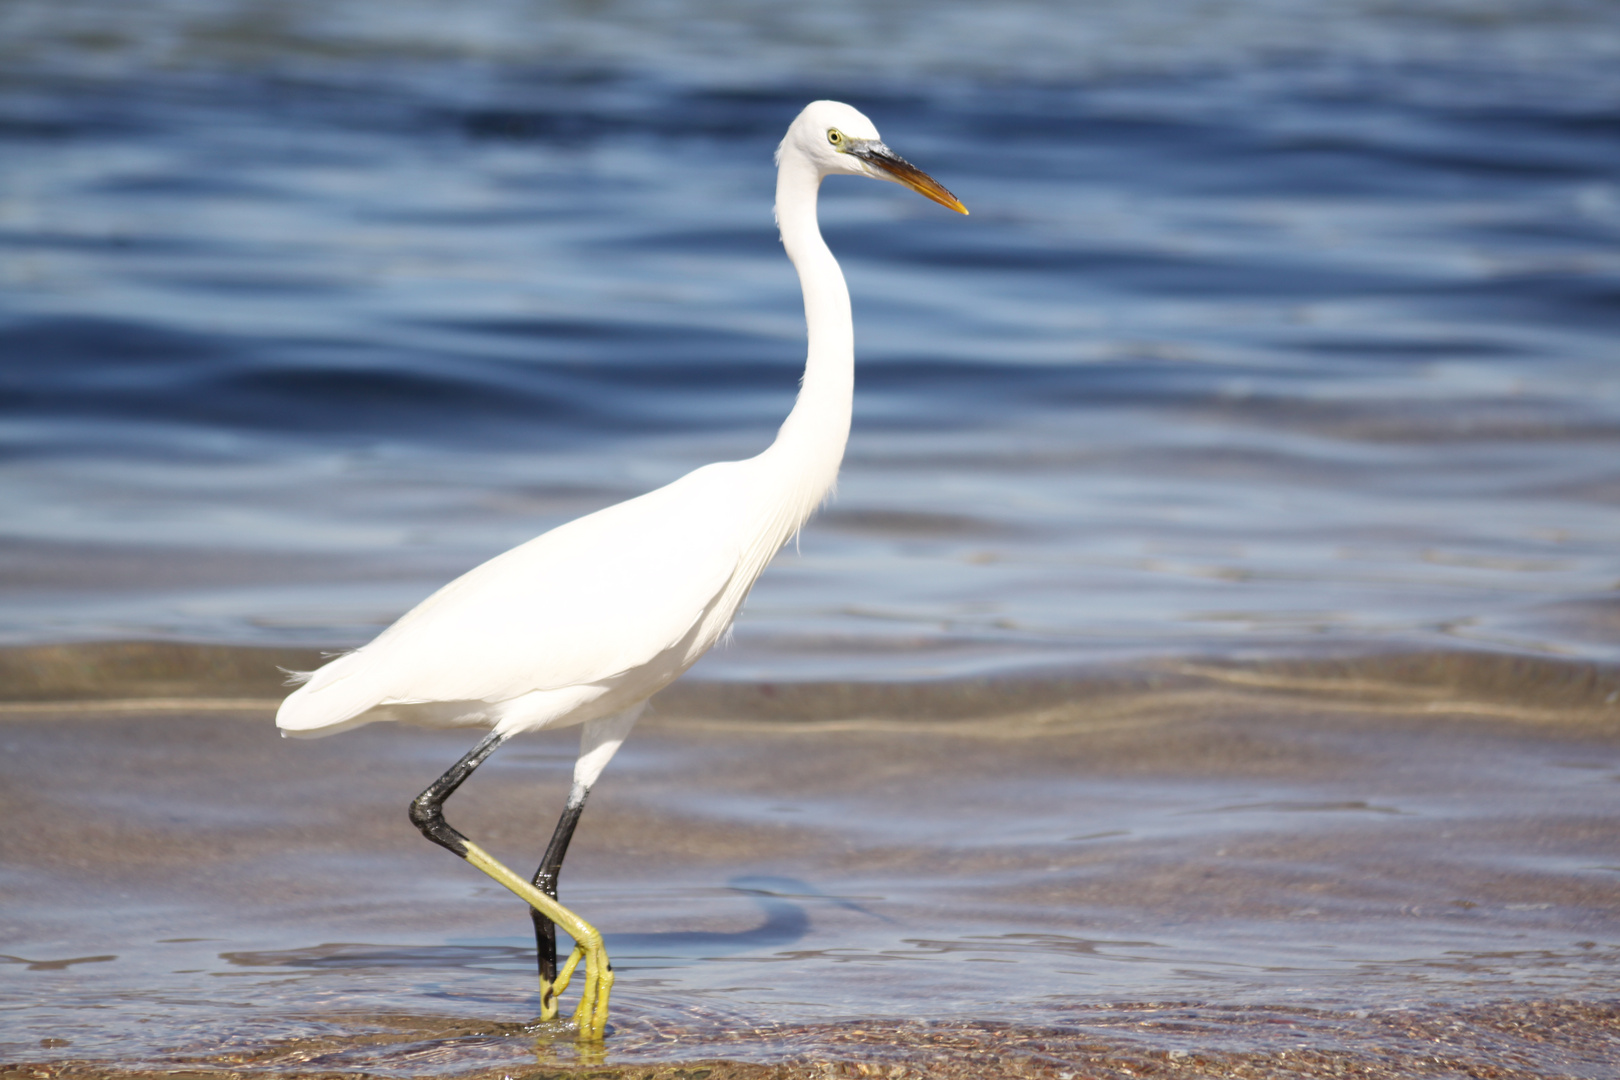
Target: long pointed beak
column 905, row 172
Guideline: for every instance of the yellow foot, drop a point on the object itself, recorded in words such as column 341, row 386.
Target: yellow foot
column 590, row 1015
column 551, row 992
column 547, row 1034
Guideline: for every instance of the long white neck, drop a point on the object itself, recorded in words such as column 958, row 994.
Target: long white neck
column 810, row 445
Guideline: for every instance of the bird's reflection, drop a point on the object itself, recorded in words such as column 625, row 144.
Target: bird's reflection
column 783, row 901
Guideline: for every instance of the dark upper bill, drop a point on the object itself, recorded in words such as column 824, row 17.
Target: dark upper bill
column 908, row 174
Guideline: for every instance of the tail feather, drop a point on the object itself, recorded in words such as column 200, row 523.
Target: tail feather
column 329, row 699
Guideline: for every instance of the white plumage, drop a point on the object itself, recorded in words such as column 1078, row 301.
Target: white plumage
column 582, row 624
column 589, row 619
column 578, row 623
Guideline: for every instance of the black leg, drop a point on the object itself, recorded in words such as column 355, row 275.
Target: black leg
column 545, row 879
column 427, row 814
column 427, row 809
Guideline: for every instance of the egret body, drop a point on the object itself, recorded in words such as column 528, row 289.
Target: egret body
column 584, row 623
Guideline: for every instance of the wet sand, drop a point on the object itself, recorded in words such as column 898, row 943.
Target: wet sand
column 1376, row 866
column 1542, row 1039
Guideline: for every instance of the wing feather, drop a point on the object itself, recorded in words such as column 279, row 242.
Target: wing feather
column 603, row 595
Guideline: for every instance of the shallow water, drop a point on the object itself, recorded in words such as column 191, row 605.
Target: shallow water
column 1342, row 849
column 1272, row 328
column 1276, row 330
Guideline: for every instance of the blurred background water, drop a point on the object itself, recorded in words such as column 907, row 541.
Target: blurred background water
column 1277, row 328
column 1276, row 325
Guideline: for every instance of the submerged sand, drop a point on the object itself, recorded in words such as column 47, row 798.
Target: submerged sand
column 1541, row 1039
column 1378, row 866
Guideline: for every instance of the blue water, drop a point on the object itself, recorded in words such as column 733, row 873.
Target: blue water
column 1275, row 326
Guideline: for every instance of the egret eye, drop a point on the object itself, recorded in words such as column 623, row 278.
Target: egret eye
column 835, row 136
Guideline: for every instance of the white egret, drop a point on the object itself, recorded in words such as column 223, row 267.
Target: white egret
column 584, row 623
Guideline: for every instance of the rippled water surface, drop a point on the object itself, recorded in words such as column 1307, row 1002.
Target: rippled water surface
column 1269, row 870
column 1271, row 327
column 1277, row 330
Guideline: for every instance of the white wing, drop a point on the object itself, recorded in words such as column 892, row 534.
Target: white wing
column 597, row 597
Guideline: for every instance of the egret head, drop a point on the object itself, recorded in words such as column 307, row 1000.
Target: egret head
column 837, row 138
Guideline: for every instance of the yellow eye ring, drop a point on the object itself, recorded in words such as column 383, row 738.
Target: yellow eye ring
column 835, row 136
